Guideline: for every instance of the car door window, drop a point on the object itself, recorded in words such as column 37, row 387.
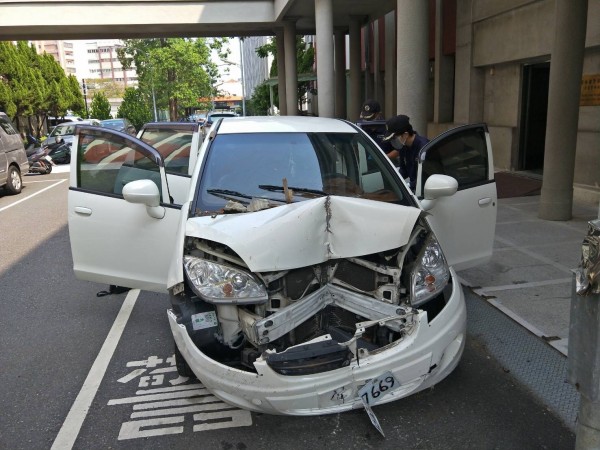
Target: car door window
column 174, row 146
column 107, row 162
column 463, row 156
column 7, row 126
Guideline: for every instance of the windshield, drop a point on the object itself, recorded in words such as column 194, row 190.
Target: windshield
column 292, row 167
column 113, row 124
column 63, row 130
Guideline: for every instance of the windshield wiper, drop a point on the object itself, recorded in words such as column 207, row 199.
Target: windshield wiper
column 228, row 194
column 272, row 187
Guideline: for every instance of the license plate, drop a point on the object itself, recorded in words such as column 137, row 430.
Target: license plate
column 377, row 388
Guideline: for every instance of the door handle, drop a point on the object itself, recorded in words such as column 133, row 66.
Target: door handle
column 484, row 201
column 83, row 211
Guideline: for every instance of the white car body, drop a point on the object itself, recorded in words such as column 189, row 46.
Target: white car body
column 290, row 301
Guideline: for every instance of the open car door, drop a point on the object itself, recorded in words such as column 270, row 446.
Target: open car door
column 123, row 223
column 465, row 222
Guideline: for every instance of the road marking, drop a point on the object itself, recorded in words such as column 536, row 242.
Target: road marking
column 72, row 425
column 167, row 398
column 32, row 195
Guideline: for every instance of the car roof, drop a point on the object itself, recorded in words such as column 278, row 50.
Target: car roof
column 172, row 125
column 284, row 124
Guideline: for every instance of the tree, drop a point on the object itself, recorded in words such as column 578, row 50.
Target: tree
column 135, row 108
column 100, row 107
column 305, row 60
column 33, row 86
column 260, row 102
column 176, row 71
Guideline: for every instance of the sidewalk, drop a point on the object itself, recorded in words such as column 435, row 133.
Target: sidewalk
column 529, row 276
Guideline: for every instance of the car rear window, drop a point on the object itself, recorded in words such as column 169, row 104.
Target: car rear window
column 174, row 146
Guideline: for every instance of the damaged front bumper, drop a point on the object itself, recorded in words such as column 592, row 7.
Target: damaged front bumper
column 419, row 360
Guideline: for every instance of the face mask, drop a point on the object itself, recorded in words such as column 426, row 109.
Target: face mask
column 397, row 143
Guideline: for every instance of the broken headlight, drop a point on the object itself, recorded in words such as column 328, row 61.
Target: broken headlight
column 430, row 273
column 218, row 283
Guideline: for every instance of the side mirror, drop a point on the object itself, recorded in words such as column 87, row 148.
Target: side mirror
column 438, row 186
column 145, row 192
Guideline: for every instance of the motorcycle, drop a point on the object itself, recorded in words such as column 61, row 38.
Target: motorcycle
column 60, row 152
column 39, row 161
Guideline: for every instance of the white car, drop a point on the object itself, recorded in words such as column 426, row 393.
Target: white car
column 305, row 278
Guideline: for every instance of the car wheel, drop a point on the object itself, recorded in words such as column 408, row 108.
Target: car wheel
column 183, row 368
column 14, row 181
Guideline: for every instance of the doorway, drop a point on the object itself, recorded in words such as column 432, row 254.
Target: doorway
column 534, row 101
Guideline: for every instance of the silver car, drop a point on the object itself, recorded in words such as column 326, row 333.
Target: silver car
column 65, row 131
column 13, row 159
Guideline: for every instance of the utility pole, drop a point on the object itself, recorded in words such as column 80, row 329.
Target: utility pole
column 87, row 113
column 243, row 81
column 584, row 340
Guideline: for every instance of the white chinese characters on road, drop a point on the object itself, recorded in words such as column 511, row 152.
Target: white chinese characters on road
column 164, row 398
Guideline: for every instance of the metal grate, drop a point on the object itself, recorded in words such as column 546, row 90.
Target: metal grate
column 530, row 360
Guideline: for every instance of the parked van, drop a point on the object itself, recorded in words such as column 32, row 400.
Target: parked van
column 13, row 159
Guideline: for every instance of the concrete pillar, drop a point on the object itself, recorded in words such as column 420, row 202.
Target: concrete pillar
column 469, row 80
column 368, row 50
column 281, row 81
column 413, row 61
column 566, row 67
column 291, row 68
column 354, row 98
column 340, row 74
column 377, row 76
column 443, row 106
column 324, row 41
column 389, row 96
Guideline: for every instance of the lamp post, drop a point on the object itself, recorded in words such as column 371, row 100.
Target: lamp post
column 243, row 83
column 241, row 66
column 87, row 113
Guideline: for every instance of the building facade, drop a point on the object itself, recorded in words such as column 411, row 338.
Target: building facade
column 62, row 51
column 103, row 63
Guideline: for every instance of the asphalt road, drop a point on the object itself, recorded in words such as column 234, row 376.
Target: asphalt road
column 61, row 344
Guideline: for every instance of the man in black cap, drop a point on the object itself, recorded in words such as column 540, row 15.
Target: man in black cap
column 407, row 144
column 372, row 122
column 371, row 110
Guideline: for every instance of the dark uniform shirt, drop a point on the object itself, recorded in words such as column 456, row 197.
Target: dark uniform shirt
column 409, row 159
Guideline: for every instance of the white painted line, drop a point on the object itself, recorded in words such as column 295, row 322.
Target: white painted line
column 32, row 195
column 178, row 402
column 72, row 425
column 170, row 389
column 151, row 398
column 183, row 410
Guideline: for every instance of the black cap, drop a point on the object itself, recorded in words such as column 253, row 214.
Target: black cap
column 397, row 125
column 369, row 109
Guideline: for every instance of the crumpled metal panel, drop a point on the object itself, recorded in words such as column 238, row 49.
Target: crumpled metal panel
column 309, row 232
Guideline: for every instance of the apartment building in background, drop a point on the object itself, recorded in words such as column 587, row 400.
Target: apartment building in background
column 103, row 63
column 63, row 52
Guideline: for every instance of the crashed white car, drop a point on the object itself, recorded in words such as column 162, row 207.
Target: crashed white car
column 305, row 278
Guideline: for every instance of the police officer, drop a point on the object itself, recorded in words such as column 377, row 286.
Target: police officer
column 406, row 144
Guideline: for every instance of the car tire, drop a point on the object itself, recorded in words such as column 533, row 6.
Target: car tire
column 183, row 368
column 14, row 182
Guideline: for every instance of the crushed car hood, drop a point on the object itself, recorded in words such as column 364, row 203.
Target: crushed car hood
column 309, row 232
